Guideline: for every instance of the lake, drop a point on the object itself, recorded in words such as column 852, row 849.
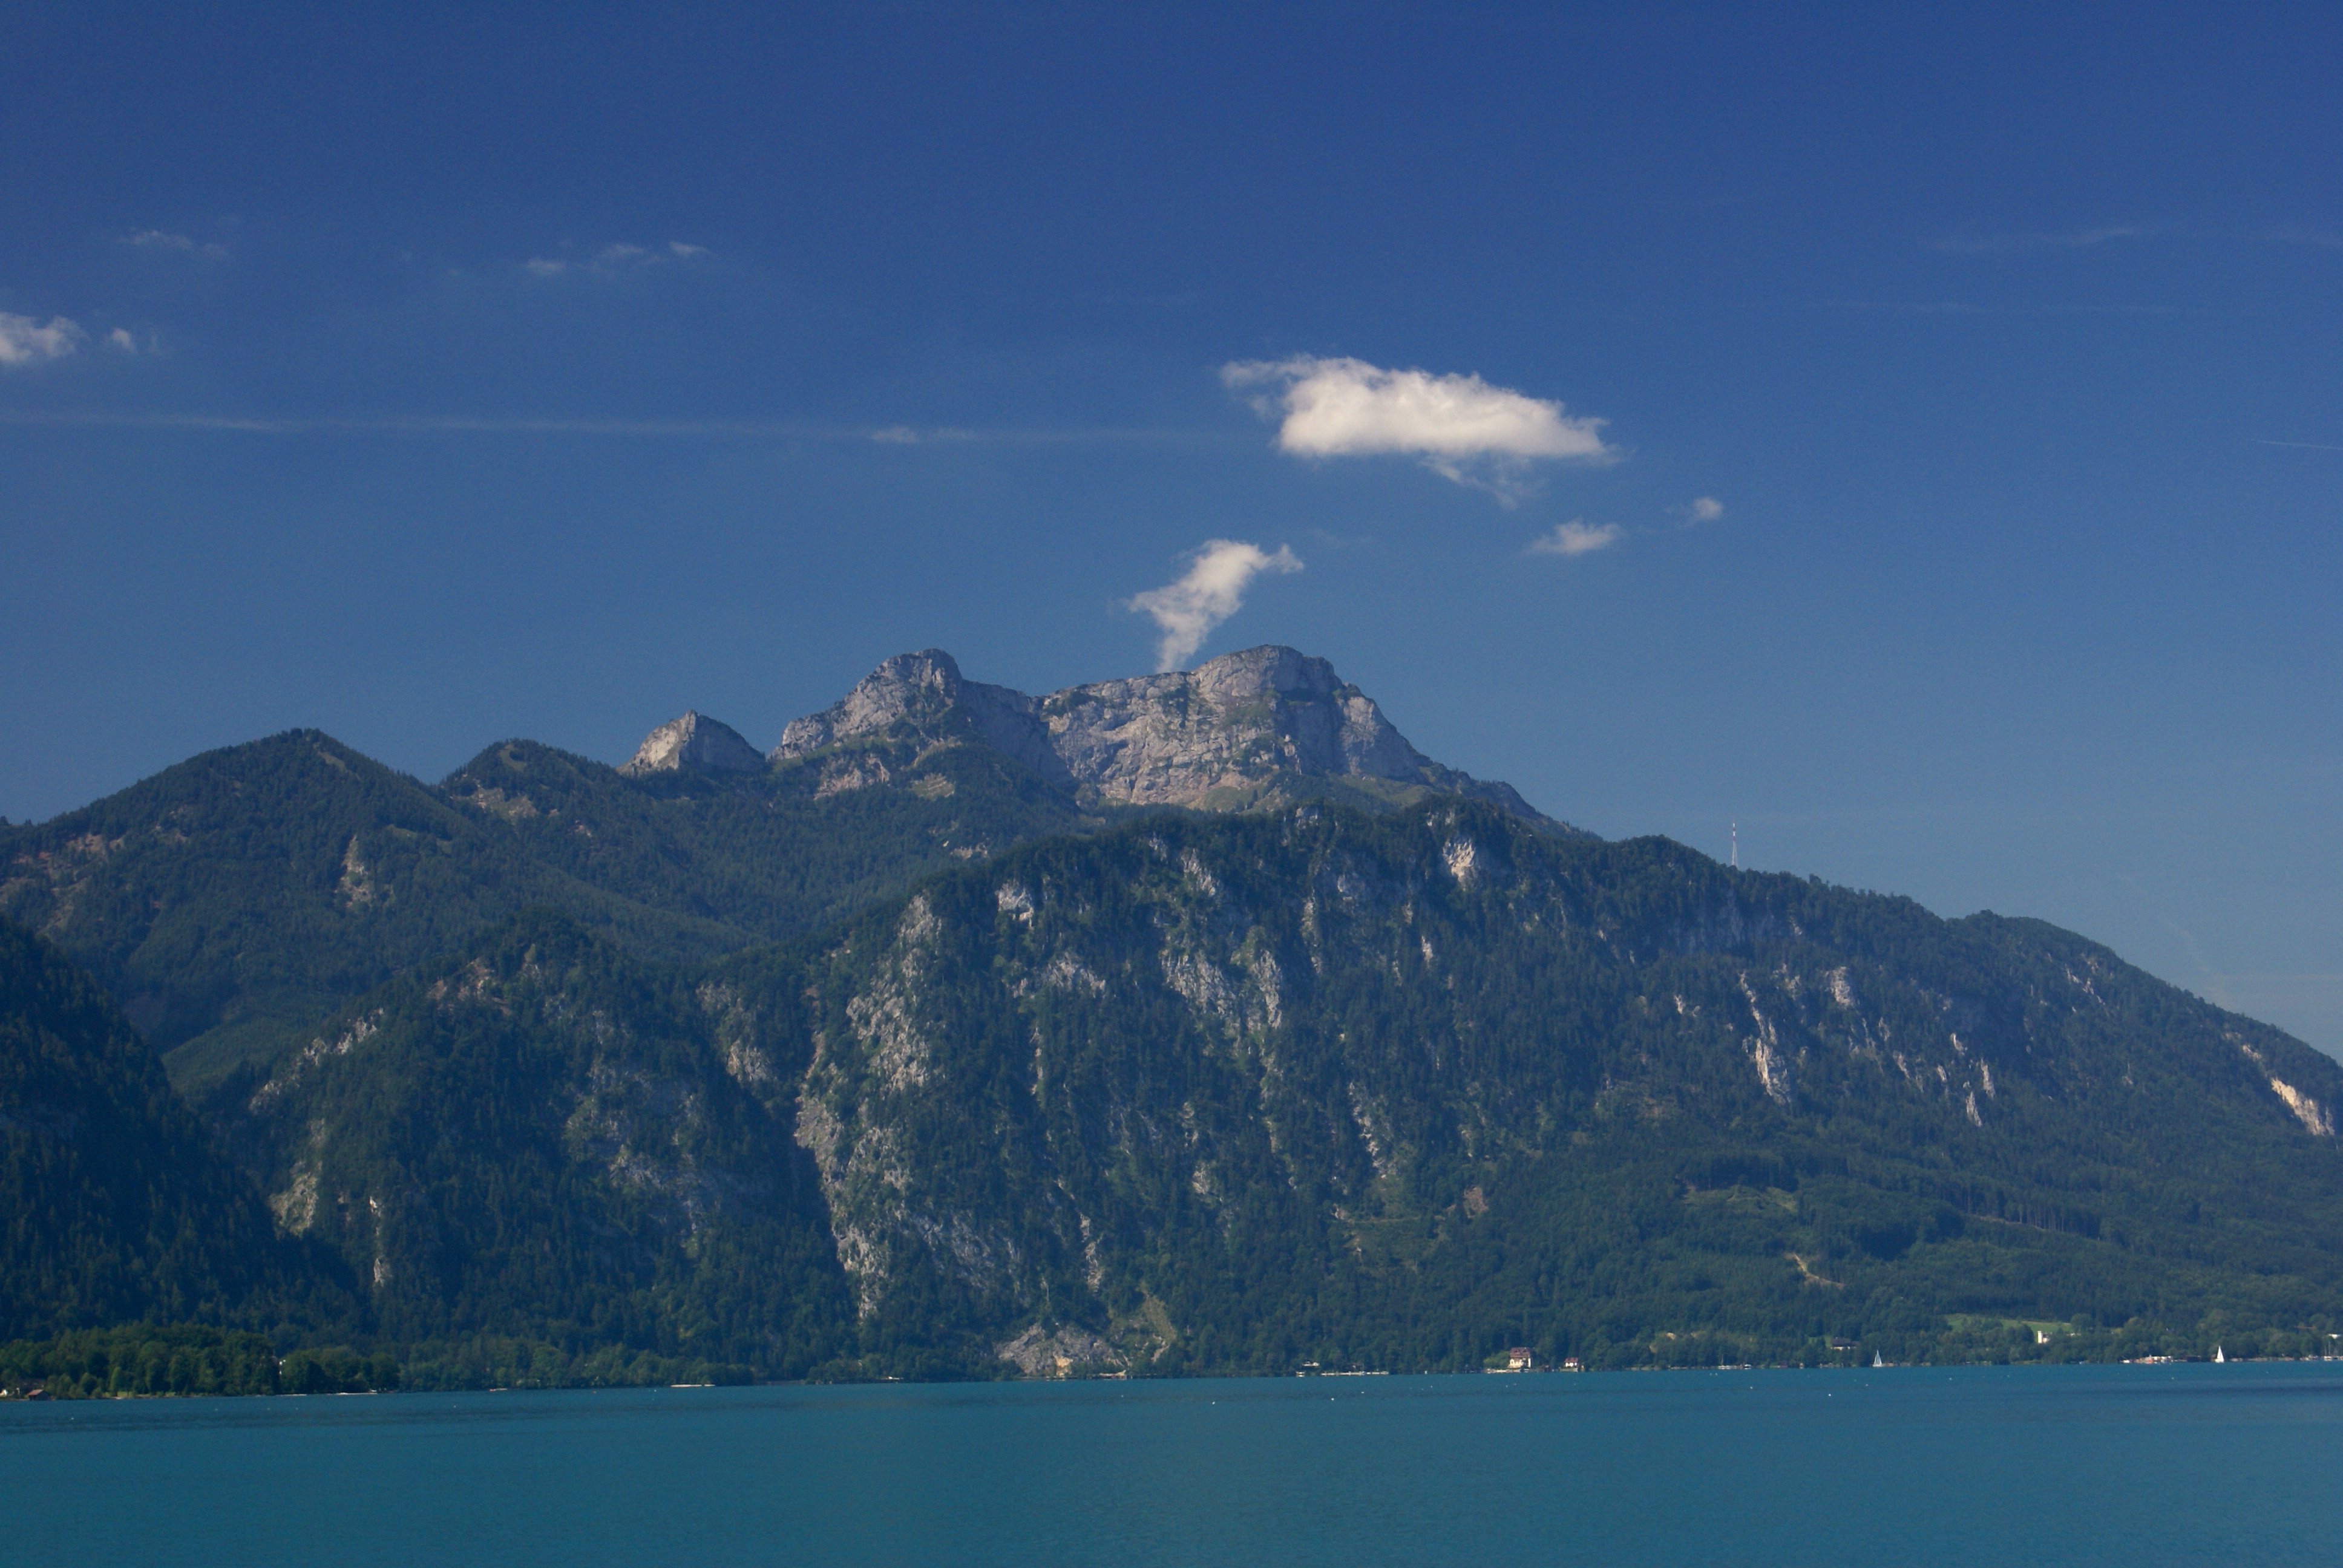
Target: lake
column 2086, row 1465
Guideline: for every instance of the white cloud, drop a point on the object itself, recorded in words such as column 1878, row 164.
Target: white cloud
column 616, row 259
column 2295, row 234
column 1213, row 590
column 1459, row 426
column 120, row 338
column 1576, row 538
column 159, row 239
column 1706, row 509
column 2064, row 239
column 25, row 341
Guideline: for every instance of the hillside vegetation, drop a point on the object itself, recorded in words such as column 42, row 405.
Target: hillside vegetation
column 1241, row 1094
column 233, row 901
column 118, row 1205
column 1195, row 1023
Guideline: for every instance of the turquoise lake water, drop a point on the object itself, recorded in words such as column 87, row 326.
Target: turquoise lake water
column 2040, row 1466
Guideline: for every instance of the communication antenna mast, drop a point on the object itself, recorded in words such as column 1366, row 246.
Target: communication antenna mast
column 1737, row 845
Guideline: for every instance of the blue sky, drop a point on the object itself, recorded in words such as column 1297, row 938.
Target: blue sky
column 439, row 376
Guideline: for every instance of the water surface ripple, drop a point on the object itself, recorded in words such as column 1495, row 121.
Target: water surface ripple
column 2047, row 1467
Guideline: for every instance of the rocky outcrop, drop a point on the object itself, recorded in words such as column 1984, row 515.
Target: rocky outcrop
column 1240, row 729
column 925, row 694
column 1237, row 723
column 697, row 742
column 1042, row 1352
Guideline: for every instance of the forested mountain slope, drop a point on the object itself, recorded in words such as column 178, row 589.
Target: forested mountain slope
column 543, row 1138
column 238, row 897
column 772, row 854
column 114, row 1204
column 1242, row 1094
column 233, row 900
column 1239, row 1094
column 926, row 1047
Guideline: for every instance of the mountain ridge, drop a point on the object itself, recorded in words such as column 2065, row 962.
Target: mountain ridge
column 234, row 900
column 1371, row 1041
column 1229, row 1093
column 1250, row 1039
column 1248, row 728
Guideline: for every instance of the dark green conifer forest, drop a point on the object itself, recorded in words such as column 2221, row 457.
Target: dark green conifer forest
column 314, row 1077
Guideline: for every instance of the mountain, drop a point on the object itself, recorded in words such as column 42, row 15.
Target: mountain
column 1235, row 1095
column 236, row 899
column 761, row 855
column 117, row 1205
column 1191, row 1023
column 1248, row 730
column 545, row 1139
column 1238, row 1093
column 696, row 742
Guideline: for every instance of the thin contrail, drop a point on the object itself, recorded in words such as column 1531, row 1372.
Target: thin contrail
column 2306, row 446
column 750, row 429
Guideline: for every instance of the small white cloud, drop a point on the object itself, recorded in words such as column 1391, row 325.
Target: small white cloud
column 1576, row 538
column 1461, row 427
column 1706, row 509
column 2295, row 234
column 25, row 341
column 160, row 239
column 619, row 258
column 896, row 435
column 1213, row 590
column 2064, row 239
column 120, row 338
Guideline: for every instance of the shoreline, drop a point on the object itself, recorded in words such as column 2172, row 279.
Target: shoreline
column 12, row 1396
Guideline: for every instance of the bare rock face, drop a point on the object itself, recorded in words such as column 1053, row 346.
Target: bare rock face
column 694, row 741
column 926, row 693
column 1235, row 723
column 1225, row 734
column 1042, row 1352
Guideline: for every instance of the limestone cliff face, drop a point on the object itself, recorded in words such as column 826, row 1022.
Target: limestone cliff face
column 1243, row 730
column 694, row 741
column 1236, row 724
column 925, row 693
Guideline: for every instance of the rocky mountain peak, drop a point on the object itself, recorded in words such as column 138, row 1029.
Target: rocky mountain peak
column 1173, row 739
column 1235, row 730
column 694, row 741
column 926, row 693
column 910, row 686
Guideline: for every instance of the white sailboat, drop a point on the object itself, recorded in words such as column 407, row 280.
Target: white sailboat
column 2218, row 1356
